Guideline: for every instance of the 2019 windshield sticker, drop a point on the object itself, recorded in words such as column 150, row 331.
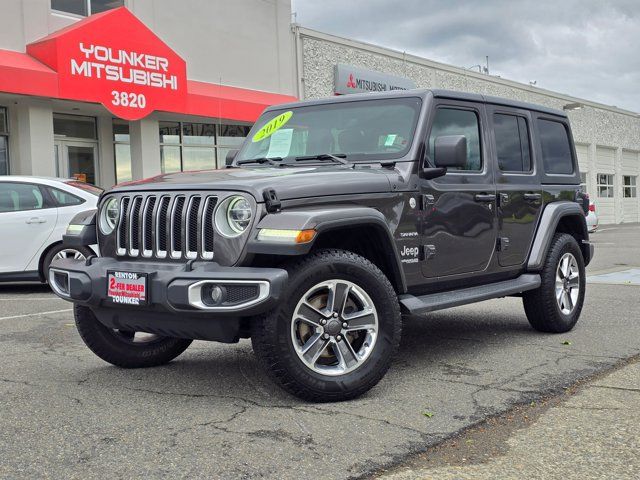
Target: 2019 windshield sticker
column 272, row 126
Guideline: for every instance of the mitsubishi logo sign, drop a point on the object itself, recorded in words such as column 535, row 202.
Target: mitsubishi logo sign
column 351, row 82
column 112, row 58
column 349, row 79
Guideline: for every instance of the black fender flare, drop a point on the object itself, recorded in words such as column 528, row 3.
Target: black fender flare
column 549, row 221
column 324, row 220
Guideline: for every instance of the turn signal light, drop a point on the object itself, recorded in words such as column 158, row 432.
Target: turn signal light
column 286, row 236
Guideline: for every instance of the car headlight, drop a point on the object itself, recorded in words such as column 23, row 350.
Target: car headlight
column 233, row 216
column 109, row 216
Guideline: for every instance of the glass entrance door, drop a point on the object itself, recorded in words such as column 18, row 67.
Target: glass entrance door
column 76, row 160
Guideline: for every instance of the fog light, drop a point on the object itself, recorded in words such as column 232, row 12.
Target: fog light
column 216, row 294
column 213, row 294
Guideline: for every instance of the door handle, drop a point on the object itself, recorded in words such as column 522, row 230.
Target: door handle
column 36, row 220
column 485, row 197
column 532, row 197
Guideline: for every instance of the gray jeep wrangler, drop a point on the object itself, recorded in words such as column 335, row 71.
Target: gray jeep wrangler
column 334, row 219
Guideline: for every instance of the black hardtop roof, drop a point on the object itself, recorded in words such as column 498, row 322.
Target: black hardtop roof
column 423, row 93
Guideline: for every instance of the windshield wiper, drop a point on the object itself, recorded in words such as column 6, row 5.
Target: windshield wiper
column 338, row 157
column 269, row 160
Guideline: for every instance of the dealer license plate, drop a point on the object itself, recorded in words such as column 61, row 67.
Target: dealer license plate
column 127, row 288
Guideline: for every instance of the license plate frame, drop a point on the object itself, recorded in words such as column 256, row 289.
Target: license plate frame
column 123, row 288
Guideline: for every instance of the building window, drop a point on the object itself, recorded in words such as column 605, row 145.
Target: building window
column 85, row 7
column 197, row 146
column 122, row 151
column 605, row 185
column 629, row 186
column 4, row 142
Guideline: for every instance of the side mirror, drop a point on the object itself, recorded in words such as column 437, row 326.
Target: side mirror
column 231, row 155
column 450, row 151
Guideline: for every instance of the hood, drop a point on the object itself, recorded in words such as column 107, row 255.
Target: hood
column 288, row 182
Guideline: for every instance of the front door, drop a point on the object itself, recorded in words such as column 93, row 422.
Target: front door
column 459, row 226
column 518, row 186
column 76, row 159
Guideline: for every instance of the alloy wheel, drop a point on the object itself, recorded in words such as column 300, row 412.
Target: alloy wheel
column 69, row 253
column 567, row 283
column 334, row 327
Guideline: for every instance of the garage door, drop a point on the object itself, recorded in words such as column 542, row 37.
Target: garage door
column 585, row 173
column 606, row 184
column 630, row 174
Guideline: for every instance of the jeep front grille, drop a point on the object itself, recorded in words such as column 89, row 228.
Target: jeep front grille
column 176, row 226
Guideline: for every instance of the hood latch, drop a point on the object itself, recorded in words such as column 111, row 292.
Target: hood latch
column 271, row 200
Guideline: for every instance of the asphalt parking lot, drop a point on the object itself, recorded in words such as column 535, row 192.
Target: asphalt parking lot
column 212, row 413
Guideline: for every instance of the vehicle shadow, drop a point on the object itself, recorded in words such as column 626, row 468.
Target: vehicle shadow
column 429, row 344
column 25, row 288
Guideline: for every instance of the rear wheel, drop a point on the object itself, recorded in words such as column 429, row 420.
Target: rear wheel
column 58, row 252
column 334, row 333
column 556, row 305
column 125, row 348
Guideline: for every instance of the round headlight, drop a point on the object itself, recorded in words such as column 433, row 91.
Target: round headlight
column 239, row 214
column 233, row 216
column 109, row 216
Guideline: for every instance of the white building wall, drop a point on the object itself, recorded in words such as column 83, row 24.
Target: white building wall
column 244, row 43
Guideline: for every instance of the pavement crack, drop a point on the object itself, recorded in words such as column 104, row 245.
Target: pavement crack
column 624, row 389
column 19, row 382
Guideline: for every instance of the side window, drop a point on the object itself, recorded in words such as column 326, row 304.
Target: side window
column 451, row 121
column 512, row 143
column 15, row 197
column 556, row 149
column 64, row 199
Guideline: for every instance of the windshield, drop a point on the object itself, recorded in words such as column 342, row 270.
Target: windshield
column 365, row 130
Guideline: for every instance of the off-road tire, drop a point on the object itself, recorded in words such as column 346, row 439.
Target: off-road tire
column 540, row 305
column 53, row 251
column 107, row 345
column 271, row 332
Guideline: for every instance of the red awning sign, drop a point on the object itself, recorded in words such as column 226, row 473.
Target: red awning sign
column 114, row 59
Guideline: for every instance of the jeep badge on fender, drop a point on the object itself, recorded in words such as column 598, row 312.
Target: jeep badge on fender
column 335, row 218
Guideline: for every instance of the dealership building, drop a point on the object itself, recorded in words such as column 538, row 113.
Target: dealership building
column 107, row 94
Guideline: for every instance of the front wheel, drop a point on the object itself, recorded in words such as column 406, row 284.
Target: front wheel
column 333, row 336
column 555, row 306
column 123, row 348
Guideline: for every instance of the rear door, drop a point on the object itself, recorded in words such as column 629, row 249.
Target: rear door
column 27, row 219
column 517, row 183
column 459, row 225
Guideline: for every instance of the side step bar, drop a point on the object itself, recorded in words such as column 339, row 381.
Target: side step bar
column 455, row 298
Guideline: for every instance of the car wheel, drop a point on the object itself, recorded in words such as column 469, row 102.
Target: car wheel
column 126, row 349
column 60, row 251
column 335, row 331
column 556, row 305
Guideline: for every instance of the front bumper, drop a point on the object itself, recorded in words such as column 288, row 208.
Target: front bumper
column 175, row 305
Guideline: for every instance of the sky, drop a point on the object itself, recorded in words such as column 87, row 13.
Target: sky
column 585, row 48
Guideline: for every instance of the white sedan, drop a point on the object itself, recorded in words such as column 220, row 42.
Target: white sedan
column 34, row 214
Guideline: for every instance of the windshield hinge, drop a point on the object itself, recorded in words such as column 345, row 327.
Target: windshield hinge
column 271, row 200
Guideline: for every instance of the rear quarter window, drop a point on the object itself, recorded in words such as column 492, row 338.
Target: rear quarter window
column 556, row 147
column 65, row 199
